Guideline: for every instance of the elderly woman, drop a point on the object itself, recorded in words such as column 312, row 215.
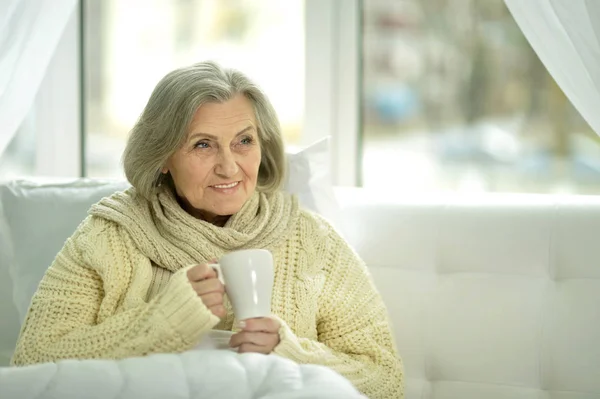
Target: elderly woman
column 206, row 163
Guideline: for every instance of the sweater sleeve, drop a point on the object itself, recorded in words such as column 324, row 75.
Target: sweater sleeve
column 91, row 304
column 354, row 334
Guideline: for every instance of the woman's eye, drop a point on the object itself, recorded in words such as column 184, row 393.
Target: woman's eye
column 201, row 144
column 247, row 140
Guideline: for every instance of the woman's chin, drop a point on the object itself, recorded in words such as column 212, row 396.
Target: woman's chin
column 224, row 211
column 224, row 208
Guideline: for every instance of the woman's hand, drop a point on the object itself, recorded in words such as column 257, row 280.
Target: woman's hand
column 260, row 335
column 208, row 287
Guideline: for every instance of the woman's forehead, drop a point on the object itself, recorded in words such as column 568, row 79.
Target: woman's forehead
column 230, row 117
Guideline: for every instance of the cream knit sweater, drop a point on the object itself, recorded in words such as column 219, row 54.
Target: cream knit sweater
column 119, row 288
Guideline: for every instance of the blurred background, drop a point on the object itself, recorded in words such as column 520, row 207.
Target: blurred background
column 456, row 98
column 418, row 95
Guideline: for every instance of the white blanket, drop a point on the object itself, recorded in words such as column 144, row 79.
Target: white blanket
column 194, row 374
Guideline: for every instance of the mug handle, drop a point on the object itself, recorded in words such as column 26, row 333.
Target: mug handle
column 217, row 268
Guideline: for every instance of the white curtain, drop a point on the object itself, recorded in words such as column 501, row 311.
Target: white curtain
column 29, row 33
column 565, row 34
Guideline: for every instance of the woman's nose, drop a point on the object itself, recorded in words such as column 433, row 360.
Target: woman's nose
column 226, row 164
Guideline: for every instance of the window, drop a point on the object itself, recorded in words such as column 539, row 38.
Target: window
column 47, row 142
column 418, row 96
column 130, row 45
column 454, row 98
column 18, row 159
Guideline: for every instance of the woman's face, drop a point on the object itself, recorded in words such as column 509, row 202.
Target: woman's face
column 216, row 169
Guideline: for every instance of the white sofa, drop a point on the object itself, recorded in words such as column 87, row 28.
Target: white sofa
column 491, row 296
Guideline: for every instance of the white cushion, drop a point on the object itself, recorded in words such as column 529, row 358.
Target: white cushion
column 494, row 296
column 39, row 216
column 9, row 324
column 37, row 219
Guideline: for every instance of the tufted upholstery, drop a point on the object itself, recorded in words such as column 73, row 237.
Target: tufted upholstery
column 494, row 297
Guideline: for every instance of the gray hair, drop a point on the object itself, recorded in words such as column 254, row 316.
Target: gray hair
column 162, row 127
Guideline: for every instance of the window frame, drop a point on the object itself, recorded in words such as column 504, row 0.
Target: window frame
column 333, row 88
column 332, row 93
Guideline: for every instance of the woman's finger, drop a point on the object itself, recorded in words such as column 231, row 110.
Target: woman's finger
column 212, row 285
column 212, row 299
column 201, row 272
column 218, row 310
column 254, row 338
column 264, row 324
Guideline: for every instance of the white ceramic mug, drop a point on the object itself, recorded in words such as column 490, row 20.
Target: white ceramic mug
column 248, row 279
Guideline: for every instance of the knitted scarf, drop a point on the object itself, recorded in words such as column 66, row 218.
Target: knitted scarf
column 172, row 238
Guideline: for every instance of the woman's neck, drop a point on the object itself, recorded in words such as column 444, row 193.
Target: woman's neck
column 217, row 220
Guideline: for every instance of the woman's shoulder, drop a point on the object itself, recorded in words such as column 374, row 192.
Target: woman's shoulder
column 92, row 231
column 317, row 235
column 120, row 202
column 100, row 244
column 100, row 225
column 316, row 226
column 307, row 217
column 96, row 223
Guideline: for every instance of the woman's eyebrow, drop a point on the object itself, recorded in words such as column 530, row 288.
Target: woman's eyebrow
column 213, row 137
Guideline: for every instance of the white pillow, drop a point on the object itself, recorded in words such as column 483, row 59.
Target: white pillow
column 9, row 327
column 37, row 217
column 36, row 220
column 309, row 177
